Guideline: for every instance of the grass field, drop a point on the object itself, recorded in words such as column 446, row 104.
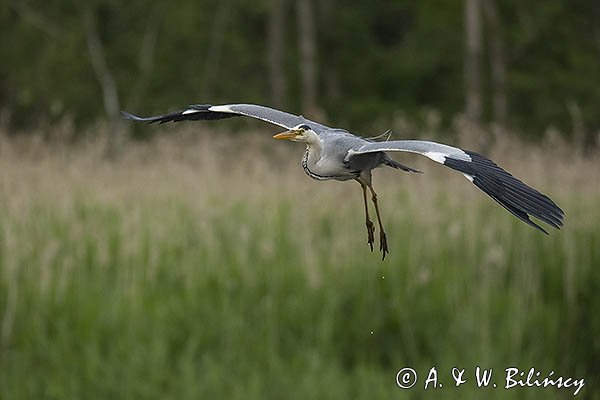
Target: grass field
column 172, row 273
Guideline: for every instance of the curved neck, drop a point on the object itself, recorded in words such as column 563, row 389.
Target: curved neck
column 311, row 156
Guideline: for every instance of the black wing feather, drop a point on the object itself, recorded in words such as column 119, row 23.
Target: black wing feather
column 512, row 194
column 201, row 112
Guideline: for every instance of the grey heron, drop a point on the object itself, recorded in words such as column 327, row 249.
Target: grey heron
column 333, row 153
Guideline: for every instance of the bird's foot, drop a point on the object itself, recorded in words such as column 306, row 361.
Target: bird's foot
column 370, row 234
column 383, row 244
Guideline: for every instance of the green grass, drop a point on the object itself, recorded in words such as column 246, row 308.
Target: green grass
column 114, row 287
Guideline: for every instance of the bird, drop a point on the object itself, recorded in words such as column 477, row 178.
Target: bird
column 334, row 153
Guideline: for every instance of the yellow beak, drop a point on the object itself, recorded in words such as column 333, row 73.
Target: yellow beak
column 286, row 135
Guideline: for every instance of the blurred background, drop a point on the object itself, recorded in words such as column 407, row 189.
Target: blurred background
column 196, row 260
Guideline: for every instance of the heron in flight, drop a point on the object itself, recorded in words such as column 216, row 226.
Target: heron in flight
column 333, row 153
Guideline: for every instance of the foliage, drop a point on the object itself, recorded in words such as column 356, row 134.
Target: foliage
column 375, row 59
column 143, row 278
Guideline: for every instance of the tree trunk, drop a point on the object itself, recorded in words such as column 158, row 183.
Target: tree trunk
column 331, row 90
column 472, row 66
column 108, row 86
column 578, row 132
column 146, row 57
column 276, row 53
column 36, row 19
column 308, row 62
column 497, row 63
column 212, row 61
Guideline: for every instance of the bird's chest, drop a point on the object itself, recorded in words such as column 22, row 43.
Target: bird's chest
column 321, row 167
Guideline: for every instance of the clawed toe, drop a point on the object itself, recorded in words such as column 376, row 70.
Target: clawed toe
column 370, row 234
column 383, row 244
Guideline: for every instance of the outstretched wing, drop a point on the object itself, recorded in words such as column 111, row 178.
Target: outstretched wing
column 209, row 112
column 512, row 194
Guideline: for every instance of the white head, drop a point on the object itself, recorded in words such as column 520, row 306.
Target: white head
column 300, row 133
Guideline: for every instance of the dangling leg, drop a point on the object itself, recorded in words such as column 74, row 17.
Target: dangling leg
column 368, row 222
column 382, row 237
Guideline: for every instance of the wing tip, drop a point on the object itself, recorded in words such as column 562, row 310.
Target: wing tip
column 130, row 116
column 133, row 117
column 539, row 227
column 517, row 197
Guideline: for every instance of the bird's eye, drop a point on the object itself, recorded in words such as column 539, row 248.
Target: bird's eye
column 305, row 127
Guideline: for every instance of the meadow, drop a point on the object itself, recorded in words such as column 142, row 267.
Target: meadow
column 207, row 265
